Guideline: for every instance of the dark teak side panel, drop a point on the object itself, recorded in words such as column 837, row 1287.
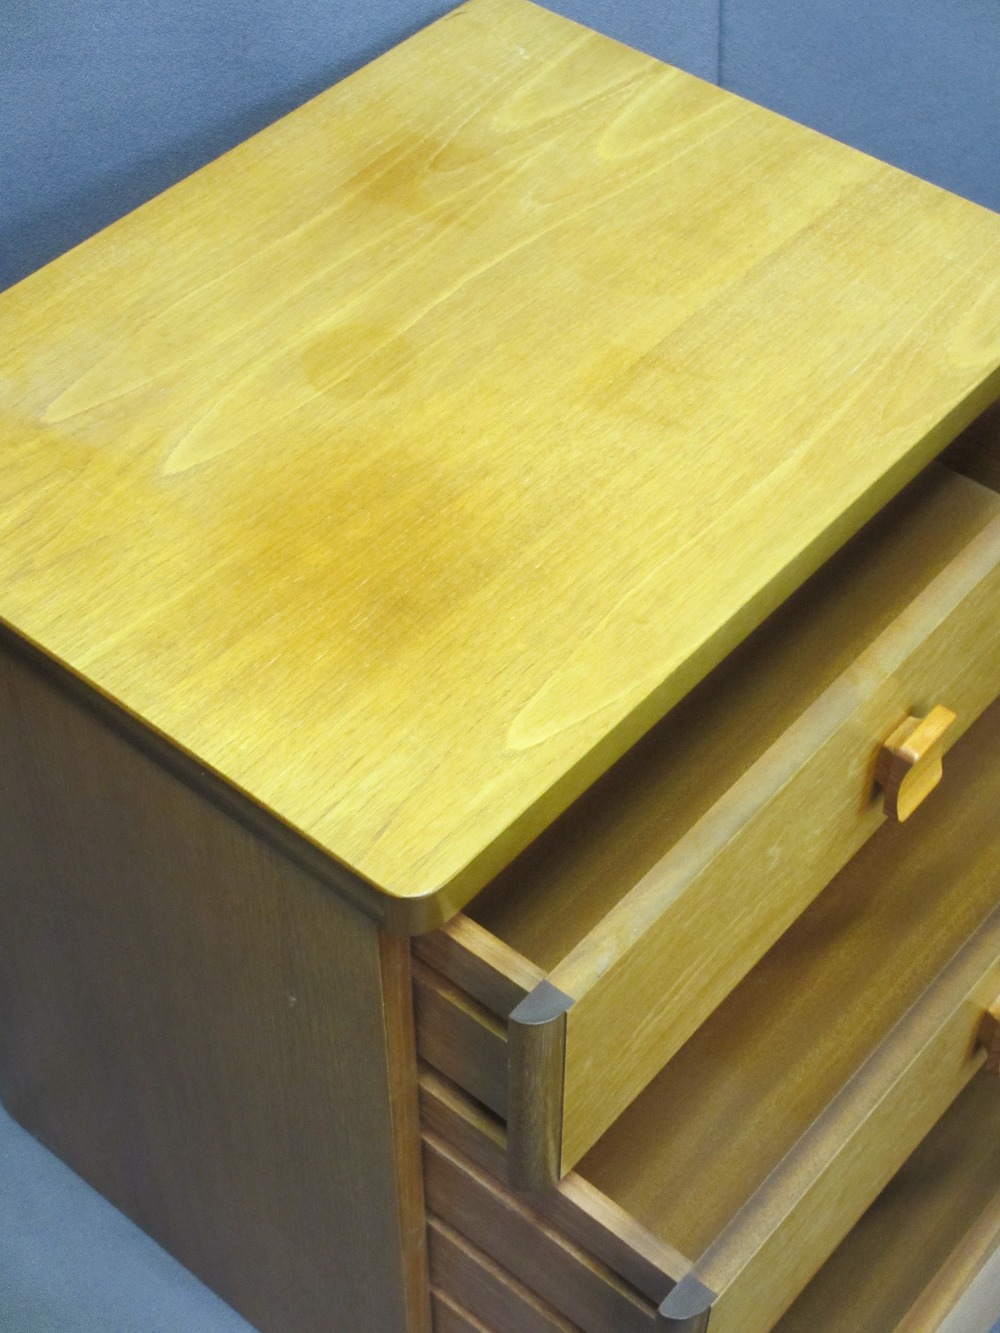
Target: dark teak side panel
column 202, row 1031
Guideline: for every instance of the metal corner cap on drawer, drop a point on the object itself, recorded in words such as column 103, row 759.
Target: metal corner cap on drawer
column 536, row 1074
column 688, row 1307
column 545, row 1004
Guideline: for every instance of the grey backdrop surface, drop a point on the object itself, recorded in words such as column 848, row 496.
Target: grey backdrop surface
column 916, row 82
column 104, row 103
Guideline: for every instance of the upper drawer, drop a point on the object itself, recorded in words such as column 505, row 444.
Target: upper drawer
column 625, row 925
column 753, row 1153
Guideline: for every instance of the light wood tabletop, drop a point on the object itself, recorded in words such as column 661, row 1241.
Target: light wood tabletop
column 407, row 462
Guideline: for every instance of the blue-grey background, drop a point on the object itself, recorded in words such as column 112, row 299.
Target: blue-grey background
column 104, row 103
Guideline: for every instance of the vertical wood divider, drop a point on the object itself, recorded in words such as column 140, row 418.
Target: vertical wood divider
column 536, row 1047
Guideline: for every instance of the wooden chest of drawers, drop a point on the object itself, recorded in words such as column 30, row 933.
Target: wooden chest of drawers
column 498, row 745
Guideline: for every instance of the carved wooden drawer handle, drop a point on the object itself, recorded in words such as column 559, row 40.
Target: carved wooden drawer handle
column 909, row 763
column 989, row 1036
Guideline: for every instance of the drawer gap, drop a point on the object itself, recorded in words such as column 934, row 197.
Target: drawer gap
column 575, row 1207
column 976, row 452
column 668, row 948
column 563, row 885
column 707, row 1132
column 916, row 1250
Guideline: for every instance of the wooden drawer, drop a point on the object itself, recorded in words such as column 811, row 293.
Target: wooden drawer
column 901, row 1269
column 581, row 970
column 522, row 1240
column 917, row 1249
column 484, row 1292
column 448, row 1316
column 756, row 1149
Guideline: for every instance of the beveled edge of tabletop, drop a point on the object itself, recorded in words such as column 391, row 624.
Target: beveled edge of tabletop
column 420, row 913
column 428, row 907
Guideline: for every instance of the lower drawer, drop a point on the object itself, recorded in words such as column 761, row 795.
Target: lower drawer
column 482, row 1292
column 754, row 1152
column 903, row 1268
column 448, row 1316
column 913, row 1255
column 582, row 969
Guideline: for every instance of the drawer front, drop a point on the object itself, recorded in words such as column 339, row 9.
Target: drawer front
column 460, row 1037
column 573, row 1208
column 768, row 1251
column 447, row 1316
column 761, row 1261
column 910, row 1260
column 754, row 1152
column 482, row 1290
column 591, row 1035
column 525, row 1244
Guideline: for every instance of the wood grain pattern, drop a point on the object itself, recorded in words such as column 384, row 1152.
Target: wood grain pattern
column 776, row 1243
column 567, row 882
column 481, row 964
column 909, row 765
column 646, row 897
column 904, row 1265
column 450, row 1317
column 644, row 815
column 573, row 1206
column 460, row 1038
column 404, row 1105
column 803, row 1021
column 519, row 1239
column 950, row 1301
column 481, row 1286
column 678, row 942
column 304, row 460
column 724, row 1132
column 202, row 1031
column 536, row 1059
